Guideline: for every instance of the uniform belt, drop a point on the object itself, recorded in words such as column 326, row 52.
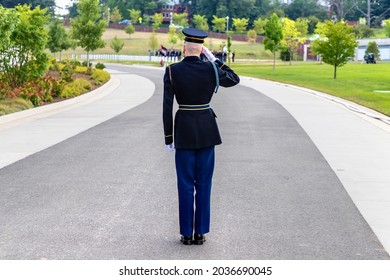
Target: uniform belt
column 194, row 107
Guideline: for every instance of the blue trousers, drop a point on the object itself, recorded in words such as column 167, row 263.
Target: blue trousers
column 194, row 169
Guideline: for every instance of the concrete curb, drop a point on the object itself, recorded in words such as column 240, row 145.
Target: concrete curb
column 29, row 115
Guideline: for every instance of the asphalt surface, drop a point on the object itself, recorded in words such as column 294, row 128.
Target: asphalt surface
column 109, row 192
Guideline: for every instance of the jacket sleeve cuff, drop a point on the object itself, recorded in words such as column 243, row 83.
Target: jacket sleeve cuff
column 168, row 139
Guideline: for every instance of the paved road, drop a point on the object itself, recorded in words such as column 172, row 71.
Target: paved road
column 109, row 192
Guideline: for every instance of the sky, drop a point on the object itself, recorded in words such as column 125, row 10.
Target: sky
column 63, row 4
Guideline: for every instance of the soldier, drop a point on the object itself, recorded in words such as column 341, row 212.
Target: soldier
column 195, row 132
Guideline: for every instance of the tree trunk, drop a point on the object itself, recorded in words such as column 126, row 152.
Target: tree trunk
column 273, row 66
column 334, row 72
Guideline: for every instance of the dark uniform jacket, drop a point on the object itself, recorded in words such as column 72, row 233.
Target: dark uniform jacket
column 192, row 81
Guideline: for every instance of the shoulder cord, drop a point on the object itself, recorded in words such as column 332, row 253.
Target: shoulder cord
column 216, row 77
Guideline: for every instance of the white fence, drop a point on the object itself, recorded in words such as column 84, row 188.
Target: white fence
column 120, row 57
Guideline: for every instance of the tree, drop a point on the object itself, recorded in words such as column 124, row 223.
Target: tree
column 49, row 4
column 305, row 8
column 229, row 47
column 130, row 29
column 157, row 20
column 87, row 29
column 134, row 15
column 172, row 36
column 274, row 35
column 240, row 24
column 258, row 25
column 117, row 44
column 336, row 45
column 372, row 47
column 23, row 42
column 291, row 37
column 181, row 19
column 116, row 15
column 200, row 22
column 219, row 24
column 363, row 31
column 251, row 35
column 312, row 25
column 153, row 42
column 386, row 27
column 58, row 38
column 302, row 26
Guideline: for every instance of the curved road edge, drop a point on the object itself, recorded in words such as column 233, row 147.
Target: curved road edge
column 357, row 147
column 28, row 132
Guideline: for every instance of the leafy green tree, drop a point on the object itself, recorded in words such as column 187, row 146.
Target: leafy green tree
column 240, row 24
column 274, row 35
column 200, row 22
column 23, row 42
column 58, row 38
column 49, row 4
column 145, row 6
column 134, row 15
column 116, row 15
column 117, row 44
column 305, row 8
column 181, row 19
column 130, row 29
column 302, row 26
column 363, row 31
column 172, row 36
column 386, row 27
column 372, row 47
column 336, row 45
column 157, row 20
column 258, row 25
column 219, row 24
column 291, row 37
column 87, row 29
column 312, row 24
column 153, row 41
column 251, row 35
column 229, row 48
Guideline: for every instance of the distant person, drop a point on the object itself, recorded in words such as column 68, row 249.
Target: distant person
column 194, row 131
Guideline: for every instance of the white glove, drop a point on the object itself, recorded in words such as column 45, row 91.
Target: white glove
column 208, row 54
column 169, row 147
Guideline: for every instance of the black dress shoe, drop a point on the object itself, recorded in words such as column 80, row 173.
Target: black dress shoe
column 199, row 239
column 186, row 240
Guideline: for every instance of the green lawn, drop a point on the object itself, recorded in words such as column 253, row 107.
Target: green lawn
column 359, row 83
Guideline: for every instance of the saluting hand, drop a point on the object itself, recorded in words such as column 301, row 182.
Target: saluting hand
column 208, row 54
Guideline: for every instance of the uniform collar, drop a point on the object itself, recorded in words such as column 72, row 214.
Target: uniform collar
column 191, row 58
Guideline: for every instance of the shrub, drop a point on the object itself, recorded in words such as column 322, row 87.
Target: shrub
column 100, row 76
column 67, row 71
column 85, row 64
column 82, row 70
column 285, row 54
column 14, row 105
column 53, row 65
column 100, row 66
column 251, row 35
column 75, row 88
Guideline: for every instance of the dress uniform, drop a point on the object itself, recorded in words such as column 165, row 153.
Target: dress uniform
column 194, row 131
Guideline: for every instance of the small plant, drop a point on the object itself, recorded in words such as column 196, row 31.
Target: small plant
column 67, row 71
column 100, row 66
column 100, row 76
column 85, row 64
column 75, row 88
